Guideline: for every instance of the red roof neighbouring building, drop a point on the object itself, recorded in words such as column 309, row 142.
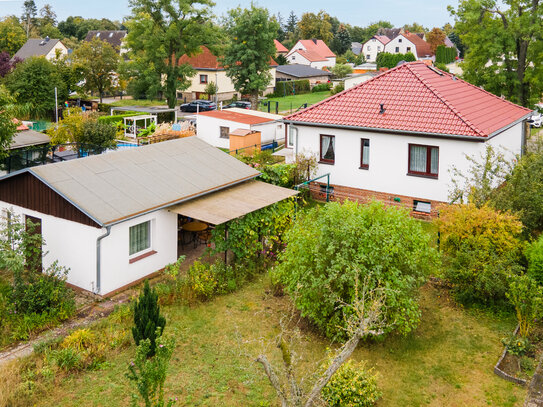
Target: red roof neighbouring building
column 236, row 117
column 280, row 47
column 382, row 38
column 311, row 55
column 206, row 60
column 318, row 47
column 423, row 48
column 416, row 98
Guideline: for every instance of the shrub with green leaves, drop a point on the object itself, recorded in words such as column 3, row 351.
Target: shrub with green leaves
column 322, row 87
column 330, row 248
column 482, row 248
column 148, row 323
column 534, row 255
column 527, row 298
column 352, row 386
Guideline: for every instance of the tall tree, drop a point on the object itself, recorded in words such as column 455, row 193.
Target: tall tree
column 447, row 29
column 250, row 50
column 160, row 32
column 435, row 38
column 12, row 35
column 98, row 61
column 48, row 16
column 504, row 46
column 30, row 11
column 281, row 30
column 292, row 23
column 415, row 28
column 317, row 26
column 7, row 127
column 342, row 41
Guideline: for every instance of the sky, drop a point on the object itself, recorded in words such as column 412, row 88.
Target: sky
column 429, row 13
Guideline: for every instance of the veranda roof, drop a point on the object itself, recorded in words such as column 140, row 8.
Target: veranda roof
column 233, row 202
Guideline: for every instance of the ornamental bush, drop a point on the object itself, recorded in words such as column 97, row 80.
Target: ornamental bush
column 482, row 249
column 322, row 87
column 352, row 386
column 534, row 255
column 332, row 247
column 148, row 323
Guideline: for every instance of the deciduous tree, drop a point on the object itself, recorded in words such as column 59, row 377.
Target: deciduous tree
column 160, row 32
column 504, row 42
column 7, row 127
column 12, row 35
column 7, row 64
column 98, row 61
column 342, row 41
column 30, row 11
column 250, row 51
column 317, row 26
column 435, row 38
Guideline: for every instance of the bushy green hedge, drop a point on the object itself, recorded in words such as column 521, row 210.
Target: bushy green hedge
column 321, row 87
column 388, row 60
column 105, row 107
column 445, row 55
column 285, row 88
column 118, row 118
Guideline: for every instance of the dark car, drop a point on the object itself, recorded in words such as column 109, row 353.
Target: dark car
column 198, row 105
column 240, row 103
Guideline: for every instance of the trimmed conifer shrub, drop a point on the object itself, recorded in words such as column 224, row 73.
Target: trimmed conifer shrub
column 148, row 323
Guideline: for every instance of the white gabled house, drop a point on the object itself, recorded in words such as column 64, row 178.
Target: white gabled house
column 407, row 42
column 314, row 53
column 372, row 47
column 396, row 136
column 113, row 219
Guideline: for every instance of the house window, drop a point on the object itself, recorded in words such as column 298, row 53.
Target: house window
column 365, row 153
column 203, row 78
column 368, row 56
column 292, row 133
column 225, row 132
column 293, row 57
column 408, row 49
column 378, row 48
column 421, row 206
column 399, row 40
column 423, row 160
column 397, row 49
column 328, row 149
column 140, row 237
column 369, row 48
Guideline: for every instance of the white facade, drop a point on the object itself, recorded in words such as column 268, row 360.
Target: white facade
column 371, row 48
column 73, row 245
column 388, row 159
column 209, row 129
column 401, row 45
column 59, row 49
column 297, row 58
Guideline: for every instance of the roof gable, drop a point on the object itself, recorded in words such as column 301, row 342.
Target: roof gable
column 280, row 47
column 416, row 98
column 112, row 37
column 36, row 47
column 423, row 48
column 318, row 47
column 207, row 60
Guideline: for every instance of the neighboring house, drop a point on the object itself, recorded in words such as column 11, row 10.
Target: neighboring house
column 294, row 72
column 113, row 219
column 48, row 48
column 448, row 43
column 365, row 67
column 406, row 42
column 356, row 79
column 396, row 137
column 390, row 32
column 356, row 47
column 314, row 53
column 281, row 49
column 24, row 150
column 115, row 38
column 208, row 69
column 215, row 126
column 374, row 46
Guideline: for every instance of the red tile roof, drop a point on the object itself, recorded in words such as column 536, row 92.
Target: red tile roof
column 311, row 56
column 280, row 47
column 416, row 98
column 423, row 48
column 236, row 117
column 206, row 60
column 383, row 38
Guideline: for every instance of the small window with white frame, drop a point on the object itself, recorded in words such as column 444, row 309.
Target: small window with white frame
column 423, row 207
column 140, row 237
column 292, row 134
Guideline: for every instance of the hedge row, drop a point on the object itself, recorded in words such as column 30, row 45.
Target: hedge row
column 285, row 88
column 388, row 60
column 116, row 118
column 445, row 55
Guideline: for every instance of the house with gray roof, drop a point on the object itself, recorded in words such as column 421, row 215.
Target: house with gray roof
column 294, row 72
column 47, row 47
column 115, row 38
column 113, row 219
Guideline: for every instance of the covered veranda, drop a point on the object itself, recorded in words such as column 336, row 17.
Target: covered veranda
column 198, row 217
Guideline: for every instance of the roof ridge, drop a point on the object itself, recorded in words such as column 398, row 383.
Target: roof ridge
column 307, row 109
column 446, row 102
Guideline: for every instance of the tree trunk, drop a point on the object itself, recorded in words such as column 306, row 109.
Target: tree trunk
column 254, row 100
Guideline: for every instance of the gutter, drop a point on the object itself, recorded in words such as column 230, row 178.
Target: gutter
column 98, row 258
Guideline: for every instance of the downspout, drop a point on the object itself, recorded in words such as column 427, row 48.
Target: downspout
column 98, row 240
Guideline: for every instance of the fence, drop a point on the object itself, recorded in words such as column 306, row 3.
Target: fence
column 268, row 146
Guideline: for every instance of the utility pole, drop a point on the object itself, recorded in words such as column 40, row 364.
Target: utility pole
column 56, row 105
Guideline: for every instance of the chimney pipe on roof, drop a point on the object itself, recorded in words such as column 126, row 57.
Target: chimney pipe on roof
column 382, row 110
column 314, row 40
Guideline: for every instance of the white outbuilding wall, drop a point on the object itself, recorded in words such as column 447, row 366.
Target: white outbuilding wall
column 401, row 45
column 388, row 162
column 371, row 48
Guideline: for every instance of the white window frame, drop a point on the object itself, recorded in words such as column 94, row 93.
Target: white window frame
column 150, row 245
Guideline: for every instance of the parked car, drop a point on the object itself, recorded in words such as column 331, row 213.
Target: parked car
column 535, row 120
column 198, row 105
column 239, row 103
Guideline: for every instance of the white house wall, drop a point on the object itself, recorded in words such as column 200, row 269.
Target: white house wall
column 403, row 44
column 371, row 48
column 71, row 243
column 116, row 271
column 209, row 129
column 389, row 160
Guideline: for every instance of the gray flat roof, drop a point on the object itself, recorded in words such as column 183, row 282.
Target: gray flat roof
column 301, row 71
column 114, row 187
column 27, row 138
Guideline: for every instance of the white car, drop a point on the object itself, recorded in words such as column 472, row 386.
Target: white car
column 535, row 120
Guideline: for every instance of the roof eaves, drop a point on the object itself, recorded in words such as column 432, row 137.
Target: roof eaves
column 499, row 131
column 384, row 130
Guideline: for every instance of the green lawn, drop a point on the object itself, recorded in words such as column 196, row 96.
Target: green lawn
column 447, row 361
column 289, row 104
